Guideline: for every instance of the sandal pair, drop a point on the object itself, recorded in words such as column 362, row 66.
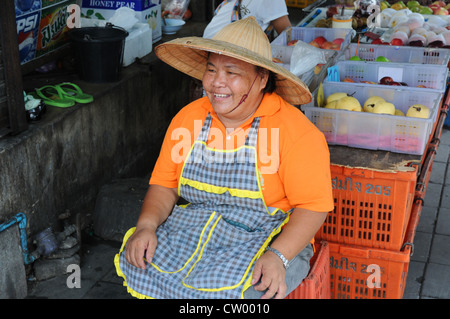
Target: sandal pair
column 63, row 95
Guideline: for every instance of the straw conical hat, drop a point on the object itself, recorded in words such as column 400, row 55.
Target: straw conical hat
column 243, row 40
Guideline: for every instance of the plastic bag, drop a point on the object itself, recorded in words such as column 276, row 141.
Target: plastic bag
column 124, row 17
column 175, row 9
column 305, row 57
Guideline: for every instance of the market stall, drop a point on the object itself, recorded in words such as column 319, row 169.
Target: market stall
column 381, row 100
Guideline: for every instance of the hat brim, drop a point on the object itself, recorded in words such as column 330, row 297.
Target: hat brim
column 189, row 55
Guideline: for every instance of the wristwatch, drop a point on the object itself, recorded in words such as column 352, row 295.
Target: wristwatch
column 283, row 259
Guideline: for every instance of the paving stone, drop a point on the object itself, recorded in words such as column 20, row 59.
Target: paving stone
column 445, row 200
column 440, row 250
column 422, row 244
column 427, row 219
column 445, row 137
column 443, row 222
column 437, row 175
column 48, row 268
column 433, row 195
column 414, row 280
column 437, row 281
column 442, row 154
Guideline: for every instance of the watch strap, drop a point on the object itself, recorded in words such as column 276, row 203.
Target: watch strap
column 280, row 255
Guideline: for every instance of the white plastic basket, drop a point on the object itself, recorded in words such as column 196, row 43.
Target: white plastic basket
column 399, row 54
column 431, row 76
column 399, row 134
column 309, row 34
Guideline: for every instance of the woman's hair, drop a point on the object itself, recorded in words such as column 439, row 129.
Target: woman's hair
column 271, row 84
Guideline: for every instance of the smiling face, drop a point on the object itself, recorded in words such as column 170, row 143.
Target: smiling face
column 226, row 81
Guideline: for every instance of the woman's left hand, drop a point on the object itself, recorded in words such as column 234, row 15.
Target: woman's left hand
column 270, row 273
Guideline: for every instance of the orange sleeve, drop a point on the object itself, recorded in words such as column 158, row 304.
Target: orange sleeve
column 305, row 171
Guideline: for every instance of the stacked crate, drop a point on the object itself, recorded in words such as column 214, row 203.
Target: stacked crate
column 371, row 231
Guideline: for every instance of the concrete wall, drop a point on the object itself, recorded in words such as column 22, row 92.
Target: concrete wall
column 62, row 162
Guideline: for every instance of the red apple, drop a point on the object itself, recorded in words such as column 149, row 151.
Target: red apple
column 439, row 3
column 348, row 80
column 377, row 41
column 338, row 41
column 314, row 44
column 386, row 80
column 320, row 40
column 326, row 45
column 434, row 6
column 441, row 11
column 416, row 43
column 292, row 42
column 395, row 84
column 396, row 42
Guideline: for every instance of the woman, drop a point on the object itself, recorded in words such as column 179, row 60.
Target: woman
column 254, row 170
column 270, row 14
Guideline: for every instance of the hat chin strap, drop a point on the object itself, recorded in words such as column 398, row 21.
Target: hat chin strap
column 244, row 97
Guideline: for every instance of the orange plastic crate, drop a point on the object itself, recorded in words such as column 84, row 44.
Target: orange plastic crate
column 349, row 273
column 299, row 3
column 352, row 268
column 317, row 284
column 372, row 208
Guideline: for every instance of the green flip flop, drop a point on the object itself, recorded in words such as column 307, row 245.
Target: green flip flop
column 51, row 95
column 73, row 92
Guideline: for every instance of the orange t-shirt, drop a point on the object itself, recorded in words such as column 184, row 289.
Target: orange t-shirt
column 292, row 154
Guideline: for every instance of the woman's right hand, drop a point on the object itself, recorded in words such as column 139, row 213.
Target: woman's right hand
column 142, row 244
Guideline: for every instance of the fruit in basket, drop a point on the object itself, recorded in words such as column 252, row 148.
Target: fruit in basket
column 426, row 10
column 399, row 112
column 336, row 96
column 441, row 11
column 439, row 3
column 382, row 59
column 348, row 103
column 399, row 5
column 386, row 80
column 397, row 42
column 384, row 108
column 418, row 110
column 338, row 41
column 292, row 43
column 384, row 5
column 330, row 46
column 369, row 104
column 412, row 3
column 331, row 105
column 355, row 58
column 319, row 40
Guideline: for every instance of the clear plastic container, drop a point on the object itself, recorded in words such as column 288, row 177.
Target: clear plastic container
column 416, row 76
column 400, row 54
column 398, row 134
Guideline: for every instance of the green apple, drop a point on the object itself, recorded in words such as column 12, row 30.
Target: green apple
column 418, row 110
column 355, row 58
column 426, row 10
column 384, row 108
column 411, row 4
column 348, row 103
column 416, row 9
column 382, row 59
column 369, row 104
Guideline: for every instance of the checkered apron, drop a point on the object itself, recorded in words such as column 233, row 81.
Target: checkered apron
column 207, row 249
